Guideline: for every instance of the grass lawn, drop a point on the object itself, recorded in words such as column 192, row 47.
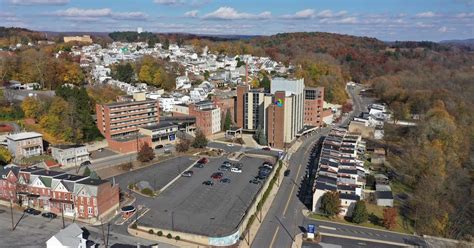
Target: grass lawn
column 36, row 159
column 375, row 220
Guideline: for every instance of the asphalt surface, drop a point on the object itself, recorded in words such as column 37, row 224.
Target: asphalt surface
column 34, row 231
column 102, row 154
column 157, row 175
column 285, row 219
column 333, row 242
column 189, row 206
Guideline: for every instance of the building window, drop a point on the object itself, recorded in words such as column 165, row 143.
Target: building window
column 89, row 210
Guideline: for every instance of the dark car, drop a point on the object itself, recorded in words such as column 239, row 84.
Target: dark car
column 49, row 215
column 199, row 165
column 203, row 160
column 32, row 211
column 286, row 173
column 208, row 183
column 225, row 180
column 227, row 164
column 223, row 168
column 217, row 175
column 254, row 181
column 266, row 148
column 187, row 174
column 159, row 147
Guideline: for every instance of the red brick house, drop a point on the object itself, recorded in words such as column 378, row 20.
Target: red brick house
column 8, row 182
column 95, row 197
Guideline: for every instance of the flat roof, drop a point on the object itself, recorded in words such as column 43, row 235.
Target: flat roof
column 70, row 177
column 384, row 194
column 129, row 137
column 68, row 146
column 349, row 196
column 160, row 125
column 31, row 169
column 24, row 135
column 115, row 104
column 49, row 173
column 94, row 182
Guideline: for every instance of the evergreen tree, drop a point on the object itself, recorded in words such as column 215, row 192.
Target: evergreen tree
column 200, row 141
column 265, row 83
column 360, row 214
column 330, row 203
column 228, row 120
column 87, row 172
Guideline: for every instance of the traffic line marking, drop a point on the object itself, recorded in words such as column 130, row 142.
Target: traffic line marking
column 291, row 193
column 274, row 236
column 328, row 227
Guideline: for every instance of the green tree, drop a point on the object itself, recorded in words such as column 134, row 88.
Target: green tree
column 330, row 203
column 166, row 44
column 200, row 141
column 87, row 172
column 123, row 72
column 360, row 214
column 265, row 83
column 227, row 121
column 260, row 136
column 146, row 153
column 206, row 75
column 5, row 156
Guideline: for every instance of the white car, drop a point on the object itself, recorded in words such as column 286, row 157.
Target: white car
column 230, row 144
column 237, row 170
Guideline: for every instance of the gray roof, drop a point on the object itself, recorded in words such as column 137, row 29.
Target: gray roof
column 384, row 195
column 24, row 135
column 71, row 236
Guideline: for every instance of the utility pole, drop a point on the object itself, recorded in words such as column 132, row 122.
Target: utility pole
column 108, row 233
column 103, row 232
column 11, row 212
column 62, row 213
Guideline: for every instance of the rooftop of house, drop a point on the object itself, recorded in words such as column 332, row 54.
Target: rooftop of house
column 70, row 177
column 31, row 169
column 47, row 173
column 324, row 186
column 344, row 196
column 68, row 146
column 384, row 195
column 92, row 182
column 24, row 135
column 70, row 236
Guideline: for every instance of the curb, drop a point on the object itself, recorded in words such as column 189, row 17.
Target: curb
column 175, row 179
column 364, row 239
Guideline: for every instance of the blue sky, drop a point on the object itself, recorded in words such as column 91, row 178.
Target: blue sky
column 383, row 19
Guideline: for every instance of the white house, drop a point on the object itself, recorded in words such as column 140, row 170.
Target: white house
column 70, row 237
column 183, row 82
column 166, row 103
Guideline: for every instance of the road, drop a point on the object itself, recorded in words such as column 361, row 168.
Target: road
column 285, row 218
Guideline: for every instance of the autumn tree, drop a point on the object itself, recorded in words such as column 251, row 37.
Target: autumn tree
column 145, row 153
column 390, row 218
column 360, row 214
column 5, row 156
column 33, row 107
column 102, row 94
column 200, row 140
column 183, row 145
column 330, row 203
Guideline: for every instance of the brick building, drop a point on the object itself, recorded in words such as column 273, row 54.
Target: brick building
column 75, row 196
column 208, row 117
column 313, row 106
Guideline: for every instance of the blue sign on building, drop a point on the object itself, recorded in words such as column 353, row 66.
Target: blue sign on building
column 172, row 137
column 311, row 228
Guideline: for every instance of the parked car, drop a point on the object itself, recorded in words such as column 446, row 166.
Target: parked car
column 227, row 164
column 286, row 173
column 254, row 181
column 199, row 165
column 187, row 174
column 230, row 144
column 203, row 160
column 32, row 211
column 223, row 168
column 100, row 149
column 266, row 148
column 217, row 175
column 159, row 147
column 225, row 180
column 208, row 183
column 237, row 170
column 49, row 215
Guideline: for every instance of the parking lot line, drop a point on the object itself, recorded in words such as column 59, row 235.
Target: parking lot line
column 291, row 193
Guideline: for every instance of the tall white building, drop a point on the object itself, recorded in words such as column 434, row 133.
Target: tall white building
column 139, row 30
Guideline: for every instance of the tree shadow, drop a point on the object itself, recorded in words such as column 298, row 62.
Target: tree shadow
column 374, row 219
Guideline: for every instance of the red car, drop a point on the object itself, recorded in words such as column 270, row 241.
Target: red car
column 203, row 160
column 217, row 175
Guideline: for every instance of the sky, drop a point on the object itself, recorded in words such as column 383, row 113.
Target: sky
column 387, row 20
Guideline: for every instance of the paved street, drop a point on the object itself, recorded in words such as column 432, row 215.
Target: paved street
column 40, row 229
column 332, row 242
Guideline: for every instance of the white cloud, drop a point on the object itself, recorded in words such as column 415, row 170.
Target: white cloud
column 169, row 2
column 302, row 14
column 465, row 15
column 191, row 13
column 329, row 14
column 93, row 14
column 428, row 14
column 346, row 20
column 228, row 13
column 39, row 2
column 445, row 29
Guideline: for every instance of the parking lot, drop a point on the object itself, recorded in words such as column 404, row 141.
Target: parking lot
column 157, row 175
column 189, row 206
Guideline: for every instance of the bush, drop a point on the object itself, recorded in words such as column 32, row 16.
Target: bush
column 159, row 233
column 169, row 236
column 183, row 145
column 177, row 238
column 134, row 225
column 146, row 153
column 131, row 186
column 200, row 140
column 147, row 191
column 150, row 231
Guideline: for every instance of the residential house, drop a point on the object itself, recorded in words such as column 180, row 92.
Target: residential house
column 70, row 155
column 70, row 237
column 25, row 144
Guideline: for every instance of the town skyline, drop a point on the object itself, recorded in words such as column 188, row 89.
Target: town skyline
column 389, row 21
